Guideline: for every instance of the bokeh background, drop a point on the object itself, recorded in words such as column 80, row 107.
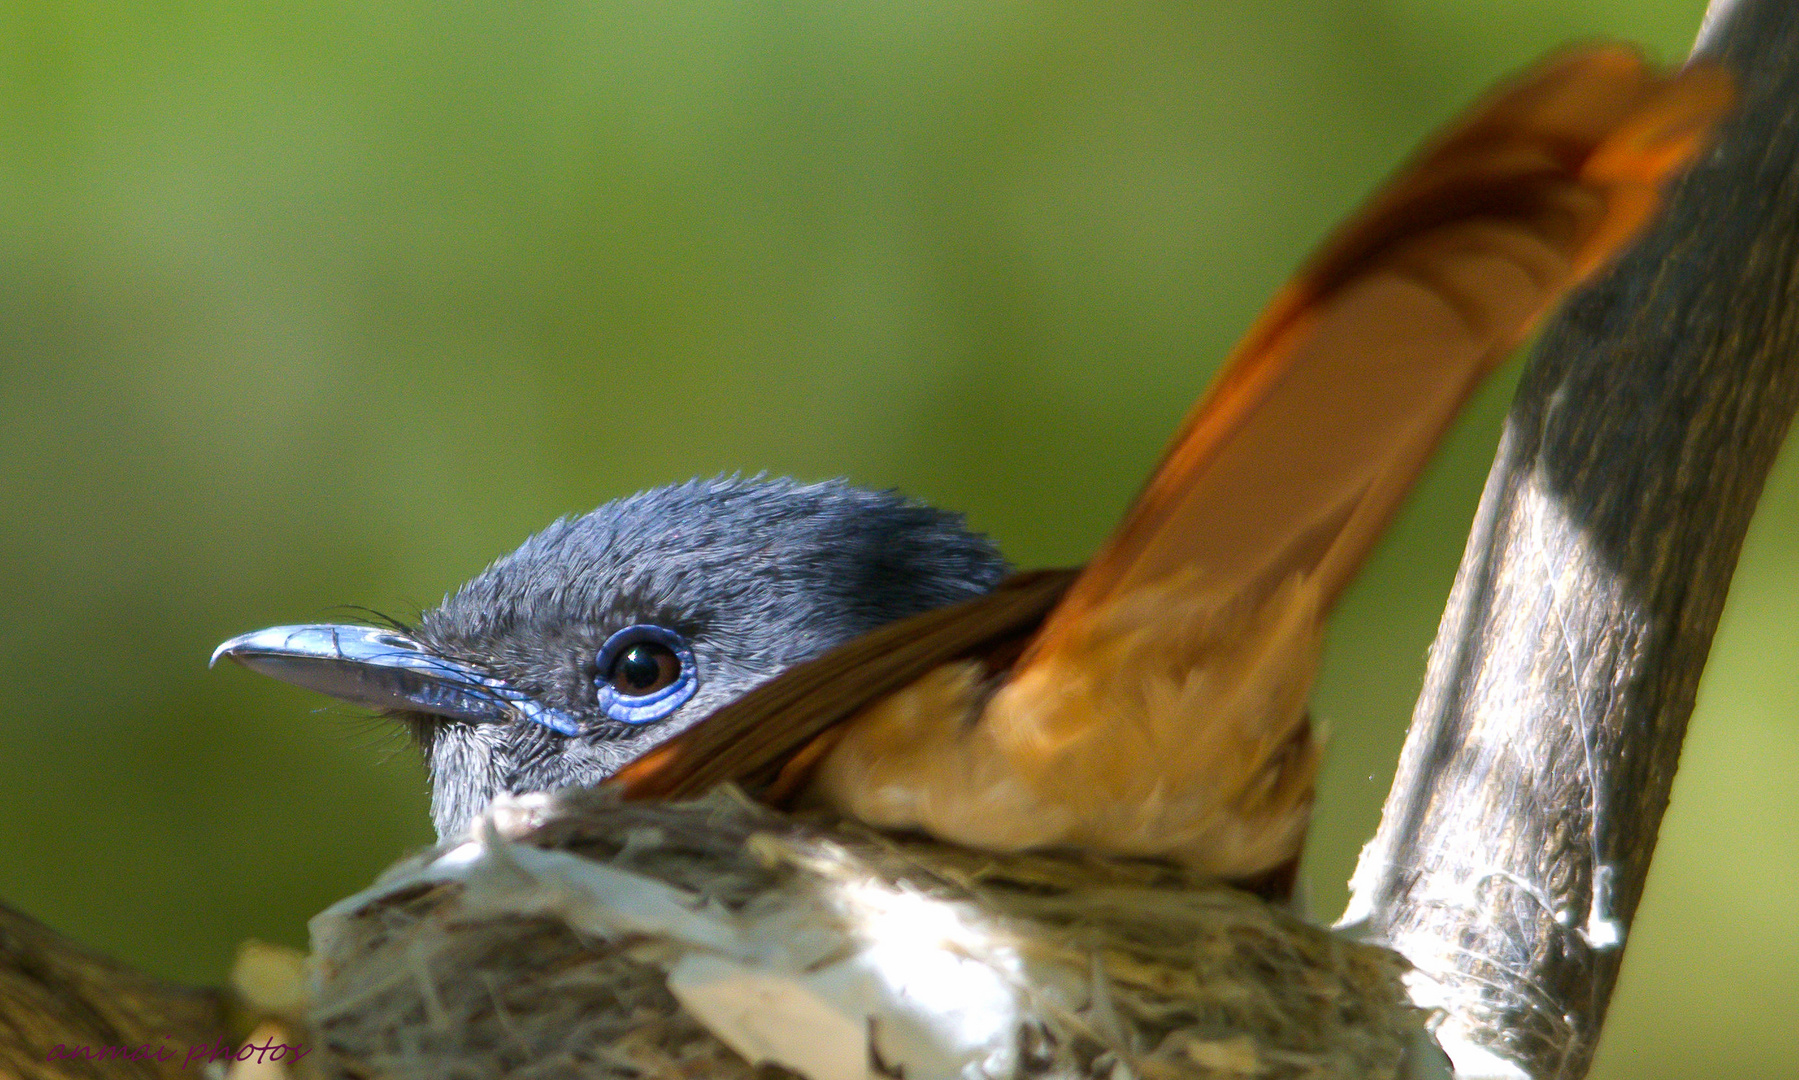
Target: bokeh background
column 314, row 304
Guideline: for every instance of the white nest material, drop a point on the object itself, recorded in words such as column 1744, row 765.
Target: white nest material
column 576, row 936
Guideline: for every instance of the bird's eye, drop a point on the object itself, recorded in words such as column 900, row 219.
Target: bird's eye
column 644, row 673
column 644, row 668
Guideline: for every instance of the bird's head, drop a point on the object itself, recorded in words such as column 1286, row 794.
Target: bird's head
column 607, row 633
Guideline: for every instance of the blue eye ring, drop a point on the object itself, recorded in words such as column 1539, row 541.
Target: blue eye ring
column 629, row 708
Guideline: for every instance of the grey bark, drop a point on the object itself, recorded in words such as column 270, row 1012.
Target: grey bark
column 1515, row 842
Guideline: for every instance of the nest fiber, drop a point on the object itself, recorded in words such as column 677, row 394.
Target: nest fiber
column 576, row 936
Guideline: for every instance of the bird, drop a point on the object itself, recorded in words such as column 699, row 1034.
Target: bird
column 607, row 633
column 825, row 645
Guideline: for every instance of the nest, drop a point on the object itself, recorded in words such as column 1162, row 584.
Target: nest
column 580, row 936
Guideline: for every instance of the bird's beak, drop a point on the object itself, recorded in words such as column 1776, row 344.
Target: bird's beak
column 386, row 670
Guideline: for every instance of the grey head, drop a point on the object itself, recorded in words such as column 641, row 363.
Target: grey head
column 605, row 634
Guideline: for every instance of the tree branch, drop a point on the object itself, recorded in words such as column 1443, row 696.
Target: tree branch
column 1515, row 842
column 53, row 991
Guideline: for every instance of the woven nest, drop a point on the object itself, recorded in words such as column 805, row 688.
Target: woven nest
column 579, row 936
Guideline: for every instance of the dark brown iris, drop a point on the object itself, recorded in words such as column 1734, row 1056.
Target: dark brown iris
column 644, row 668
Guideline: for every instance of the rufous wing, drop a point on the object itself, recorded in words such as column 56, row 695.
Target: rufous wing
column 1159, row 705
column 1331, row 404
column 761, row 739
column 1161, row 709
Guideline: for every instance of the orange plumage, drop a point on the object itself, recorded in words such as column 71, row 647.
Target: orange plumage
column 1154, row 703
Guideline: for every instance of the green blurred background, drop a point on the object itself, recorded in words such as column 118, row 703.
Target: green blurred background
column 305, row 305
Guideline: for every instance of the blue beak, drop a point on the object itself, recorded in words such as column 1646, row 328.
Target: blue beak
column 385, row 670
